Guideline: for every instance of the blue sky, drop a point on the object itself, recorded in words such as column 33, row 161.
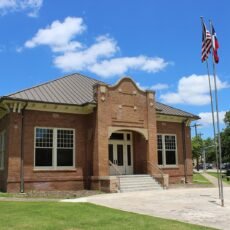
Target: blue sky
column 157, row 43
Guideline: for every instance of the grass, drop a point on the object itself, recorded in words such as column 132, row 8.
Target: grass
column 3, row 194
column 75, row 216
column 200, row 179
column 215, row 175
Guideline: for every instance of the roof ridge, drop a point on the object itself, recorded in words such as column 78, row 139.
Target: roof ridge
column 48, row 82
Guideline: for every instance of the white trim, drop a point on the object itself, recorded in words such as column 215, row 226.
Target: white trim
column 54, row 150
column 116, row 129
column 164, row 165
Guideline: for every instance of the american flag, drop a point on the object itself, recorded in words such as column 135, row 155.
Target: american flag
column 206, row 43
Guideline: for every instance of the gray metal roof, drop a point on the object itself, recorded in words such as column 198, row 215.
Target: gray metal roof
column 77, row 89
column 168, row 110
column 71, row 89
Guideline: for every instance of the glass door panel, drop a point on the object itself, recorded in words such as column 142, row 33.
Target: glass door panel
column 111, row 152
column 120, row 155
column 129, row 156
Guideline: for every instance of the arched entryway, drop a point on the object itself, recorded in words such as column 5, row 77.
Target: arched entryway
column 121, row 153
column 127, row 152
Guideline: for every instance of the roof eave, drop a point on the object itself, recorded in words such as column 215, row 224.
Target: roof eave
column 46, row 102
column 192, row 117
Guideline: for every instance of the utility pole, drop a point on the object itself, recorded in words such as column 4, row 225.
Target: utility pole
column 196, row 134
column 195, row 126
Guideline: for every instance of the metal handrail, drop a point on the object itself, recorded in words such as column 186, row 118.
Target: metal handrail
column 160, row 170
column 118, row 171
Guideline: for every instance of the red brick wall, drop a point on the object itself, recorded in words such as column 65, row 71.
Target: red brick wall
column 177, row 173
column 3, row 173
column 139, row 154
column 48, row 179
column 123, row 106
column 14, row 148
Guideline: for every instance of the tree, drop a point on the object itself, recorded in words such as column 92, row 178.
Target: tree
column 225, row 138
column 227, row 119
column 210, row 151
column 197, row 147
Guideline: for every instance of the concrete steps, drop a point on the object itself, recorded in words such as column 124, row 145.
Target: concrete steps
column 142, row 182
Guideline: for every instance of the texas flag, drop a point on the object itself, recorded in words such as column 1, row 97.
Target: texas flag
column 215, row 45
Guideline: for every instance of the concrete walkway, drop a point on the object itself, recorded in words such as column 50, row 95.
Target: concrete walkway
column 214, row 180
column 197, row 205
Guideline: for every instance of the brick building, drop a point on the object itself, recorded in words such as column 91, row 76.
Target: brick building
column 79, row 133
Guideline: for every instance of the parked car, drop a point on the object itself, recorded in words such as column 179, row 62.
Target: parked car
column 225, row 166
column 207, row 166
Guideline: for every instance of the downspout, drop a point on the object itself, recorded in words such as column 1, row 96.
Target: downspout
column 22, row 151
column 184, row 149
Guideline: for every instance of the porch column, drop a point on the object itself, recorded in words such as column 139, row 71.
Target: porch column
column 100, row 156
column 152, row 132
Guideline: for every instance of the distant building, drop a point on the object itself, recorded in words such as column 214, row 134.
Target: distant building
column 79, row 133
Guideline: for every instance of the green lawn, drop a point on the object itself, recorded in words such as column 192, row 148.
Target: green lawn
column 75, row 216
column 198, row 178
column 215, row 175
column 3, row 194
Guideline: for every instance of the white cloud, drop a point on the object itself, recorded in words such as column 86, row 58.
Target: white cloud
column 119, row 66
column 7, row 4
column 159, row 86
column 59, row 35
column 206, row 118
column 193, row 90
column 104, row 47
column 32, row 7
column 156, row 87
column 98, row 58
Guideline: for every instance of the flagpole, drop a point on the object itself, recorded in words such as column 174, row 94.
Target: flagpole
column 212, row 108
column 214, row 126
column 218, row 120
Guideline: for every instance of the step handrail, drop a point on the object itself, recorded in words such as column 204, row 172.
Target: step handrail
column 159, row 169
column 118, row 171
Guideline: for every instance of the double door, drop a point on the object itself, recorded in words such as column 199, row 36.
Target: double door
column 121, row 155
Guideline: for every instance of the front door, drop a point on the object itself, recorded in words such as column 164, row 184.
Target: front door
column 121, row 153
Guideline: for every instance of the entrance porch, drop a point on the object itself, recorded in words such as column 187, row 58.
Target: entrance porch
column 121, row 153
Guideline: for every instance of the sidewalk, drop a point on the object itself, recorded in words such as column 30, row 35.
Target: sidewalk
column 196, row 205
column 214, row 180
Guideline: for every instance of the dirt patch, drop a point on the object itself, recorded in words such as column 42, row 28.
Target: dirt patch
column 50, row 194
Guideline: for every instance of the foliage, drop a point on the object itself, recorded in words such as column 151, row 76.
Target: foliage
column 59, row 216
column 227, row 119
column 197, row 146
column 225, row 139
column 210, row 151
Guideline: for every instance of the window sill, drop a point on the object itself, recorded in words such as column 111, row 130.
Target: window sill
column 54, row 169
column 169, row 167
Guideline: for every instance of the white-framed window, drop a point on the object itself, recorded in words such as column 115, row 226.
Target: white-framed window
column 167, row 149
column 54, row 148
column 2, row 148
